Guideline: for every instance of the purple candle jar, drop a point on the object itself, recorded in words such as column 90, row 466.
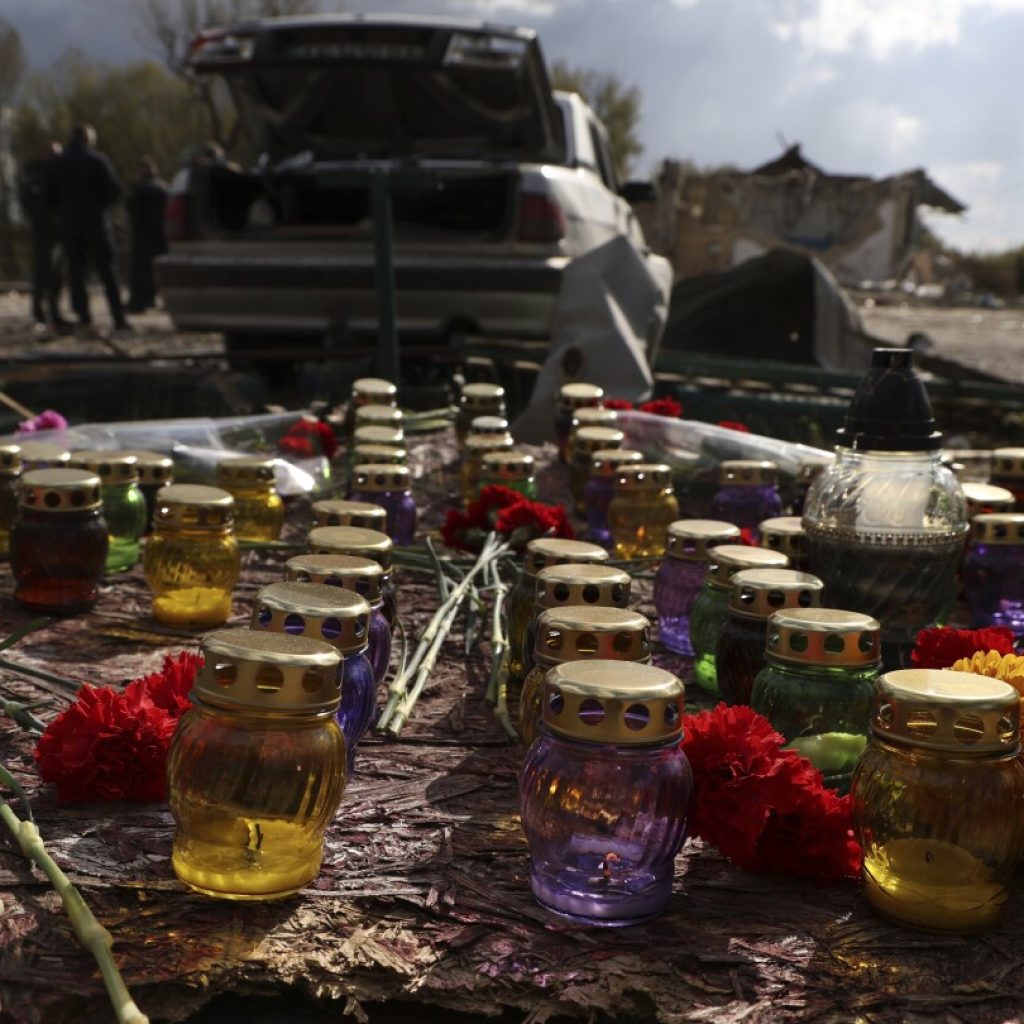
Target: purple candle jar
column 993, row 571
column 748, row 493
column 681, row 576
column 364, row 577
column 786, row 534
column 354, row 540
column 605, row 792
column 388, row 486
column 340, row 618
column 334, row 512
column 570, row 398
column 600, row 489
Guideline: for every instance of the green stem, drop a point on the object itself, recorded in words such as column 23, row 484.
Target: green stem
column 21, row 713
column 38, row 673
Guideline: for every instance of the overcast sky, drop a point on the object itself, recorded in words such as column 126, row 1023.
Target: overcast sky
column 867, row 86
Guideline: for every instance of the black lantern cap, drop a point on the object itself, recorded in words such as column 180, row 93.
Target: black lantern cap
column 891, row 411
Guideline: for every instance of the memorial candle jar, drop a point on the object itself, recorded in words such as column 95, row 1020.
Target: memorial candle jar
column 388, row 436
column 975, row 463
column 59, row 541
column 378, row 416
column 1008, row 472
column 570, row 398
column 711, row 605
column 478, row 399
column 391, row 488
column 43, row 455
column 605, row 792
column 340, row 618
column 600, row 489
column 362, row 543
column 589, row 416
column 816, row 686
column 487, row 425
column 586, row 441
column 510, row 469
column 10, row 473
column 124, row 507
column 785, row 534
column 335, row 512
column 373, row 391
column 756, row 594
column 256, row 768
column 808, row 470
column 994, row 571
column 578, row 633
column 191, row 561
column 473, row 452
column 364, row 453
column 259, row 510
column 748, row 492
column 364, row 577
column 936, row 798
column 640, row 512
column 681, row 576
column 983, row 498
column 540, row 553
column 155, row 471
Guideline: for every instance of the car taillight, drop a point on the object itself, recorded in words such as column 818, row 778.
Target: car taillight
column 540, row 219
column 176, row 226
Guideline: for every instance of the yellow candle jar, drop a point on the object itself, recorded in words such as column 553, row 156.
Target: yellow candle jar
column 937, row 799
column 259, row 510
column 641, row 510
column 257, row 767
column 333, row 512
column 191, row 561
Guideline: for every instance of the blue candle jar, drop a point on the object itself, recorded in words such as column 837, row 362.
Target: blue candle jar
column 335, row 512
column 748, row 492
column 340, row 618
column 599, row 490
column 681, row 576
column 363, row 543
column 390, row 487
column 786, row 534
column 605, row 792
column 994, row 571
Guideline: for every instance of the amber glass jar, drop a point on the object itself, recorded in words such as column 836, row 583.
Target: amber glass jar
column 259, row 510
column 585, row 443
column 362, row 543
column 478, row 399
column 640, row 513
column 572, row 397
column 155, row 471
column 43, row 455
column 936, row 798
column 510, row 469
column 59, row 541
column 256, row 768
column 191, row 561
column 10, row 473
column 786, row 534
column 124, row 507
column 334, row 512
column 473, row 452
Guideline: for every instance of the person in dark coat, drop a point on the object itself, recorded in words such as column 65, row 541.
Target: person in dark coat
column 146, row 207
column 82, row 185
column 46, row 252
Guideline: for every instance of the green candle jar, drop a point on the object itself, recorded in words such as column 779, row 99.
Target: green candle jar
column 124, row 506
column 512, row 469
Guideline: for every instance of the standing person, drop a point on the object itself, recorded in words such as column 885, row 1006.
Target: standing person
column 46, row 254
column 146, row 207
column 82, row 186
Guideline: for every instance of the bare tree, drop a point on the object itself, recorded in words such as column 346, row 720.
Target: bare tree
column 12, row 62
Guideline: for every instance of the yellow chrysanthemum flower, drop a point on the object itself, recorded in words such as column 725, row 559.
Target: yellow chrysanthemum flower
column 1008, row 667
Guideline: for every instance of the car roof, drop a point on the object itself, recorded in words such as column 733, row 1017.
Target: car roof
column 418, row 20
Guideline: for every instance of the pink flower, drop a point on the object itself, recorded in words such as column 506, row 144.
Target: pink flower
column 46, row 420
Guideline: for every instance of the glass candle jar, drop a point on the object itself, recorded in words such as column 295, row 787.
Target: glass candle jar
column 354, row 540
column 816, row 686
column 808, row 470
column 786, row 534
column 155, row 471
column 994, row 571
column 559, row 586
column 374, row 433
column 363, row 453
column 983, row 498
column 124, row 507
column 10, row 474
column 478, row 399
column 473, row 452
column 59, row 541
column 391, row 488
column 586, row 441
column 364, row 577
column 191, row 561
column 340, row 618
column 640, row 512
column 256, row 768
column 487, row 425
column 259, row 510
column 540, row 553
column 934, row 799
column 589, row 416
column 372, row 415
column 711, row 605
column 335, row 512
column 571, row 397
column 1008, row 472
column 578, row 633
column 510, row 469
column 43, row 455
column 681, row 575
column 605, row 792
column 975, row 463
column 756, row 594
column 373, row 391
column 600, row 489
column 748, row 492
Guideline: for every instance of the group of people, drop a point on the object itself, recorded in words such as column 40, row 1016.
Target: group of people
column 67, row 194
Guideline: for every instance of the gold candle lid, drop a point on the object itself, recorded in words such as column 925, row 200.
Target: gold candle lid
column 579, row 632
column 351, row 540
column 1008, row 463
column 336, row 616
column 747, row 473
column 511, row 466
column 594, row 416
column 725, row 560
column 936, row 709
column 350, row 572
column 378, row 453
column 246, row 471
column 545, row 551
column 380, row 478
column 335, row 512
column 578, row 394
column 811, row 467
column 483, row 425
column 113, row 468
column 690, row 540
column 593, row 585
column 479, row 445
column 644, row 476
column 824, row 636
column 378, row 416
column 482, row 396
column 10, row 460
column 998, row 529
column 757, row 593
column 374, row 391
column 43, row 455
column 587, row 440
column 622, row 702
column 59, row 490
column 155, row 470
column 982, row 498
column 193, row 507
column 374, row 433
column 785, row 534
column 608, row 461
column 268, row 671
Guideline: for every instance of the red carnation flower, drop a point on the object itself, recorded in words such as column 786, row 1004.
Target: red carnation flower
column 308, row 437
column 528, row 520
column 941, row 646
column 747, row 537
column 616, row 403
column 734, row 425
column 663, row 407
column 170, row 688
column 297, row 447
